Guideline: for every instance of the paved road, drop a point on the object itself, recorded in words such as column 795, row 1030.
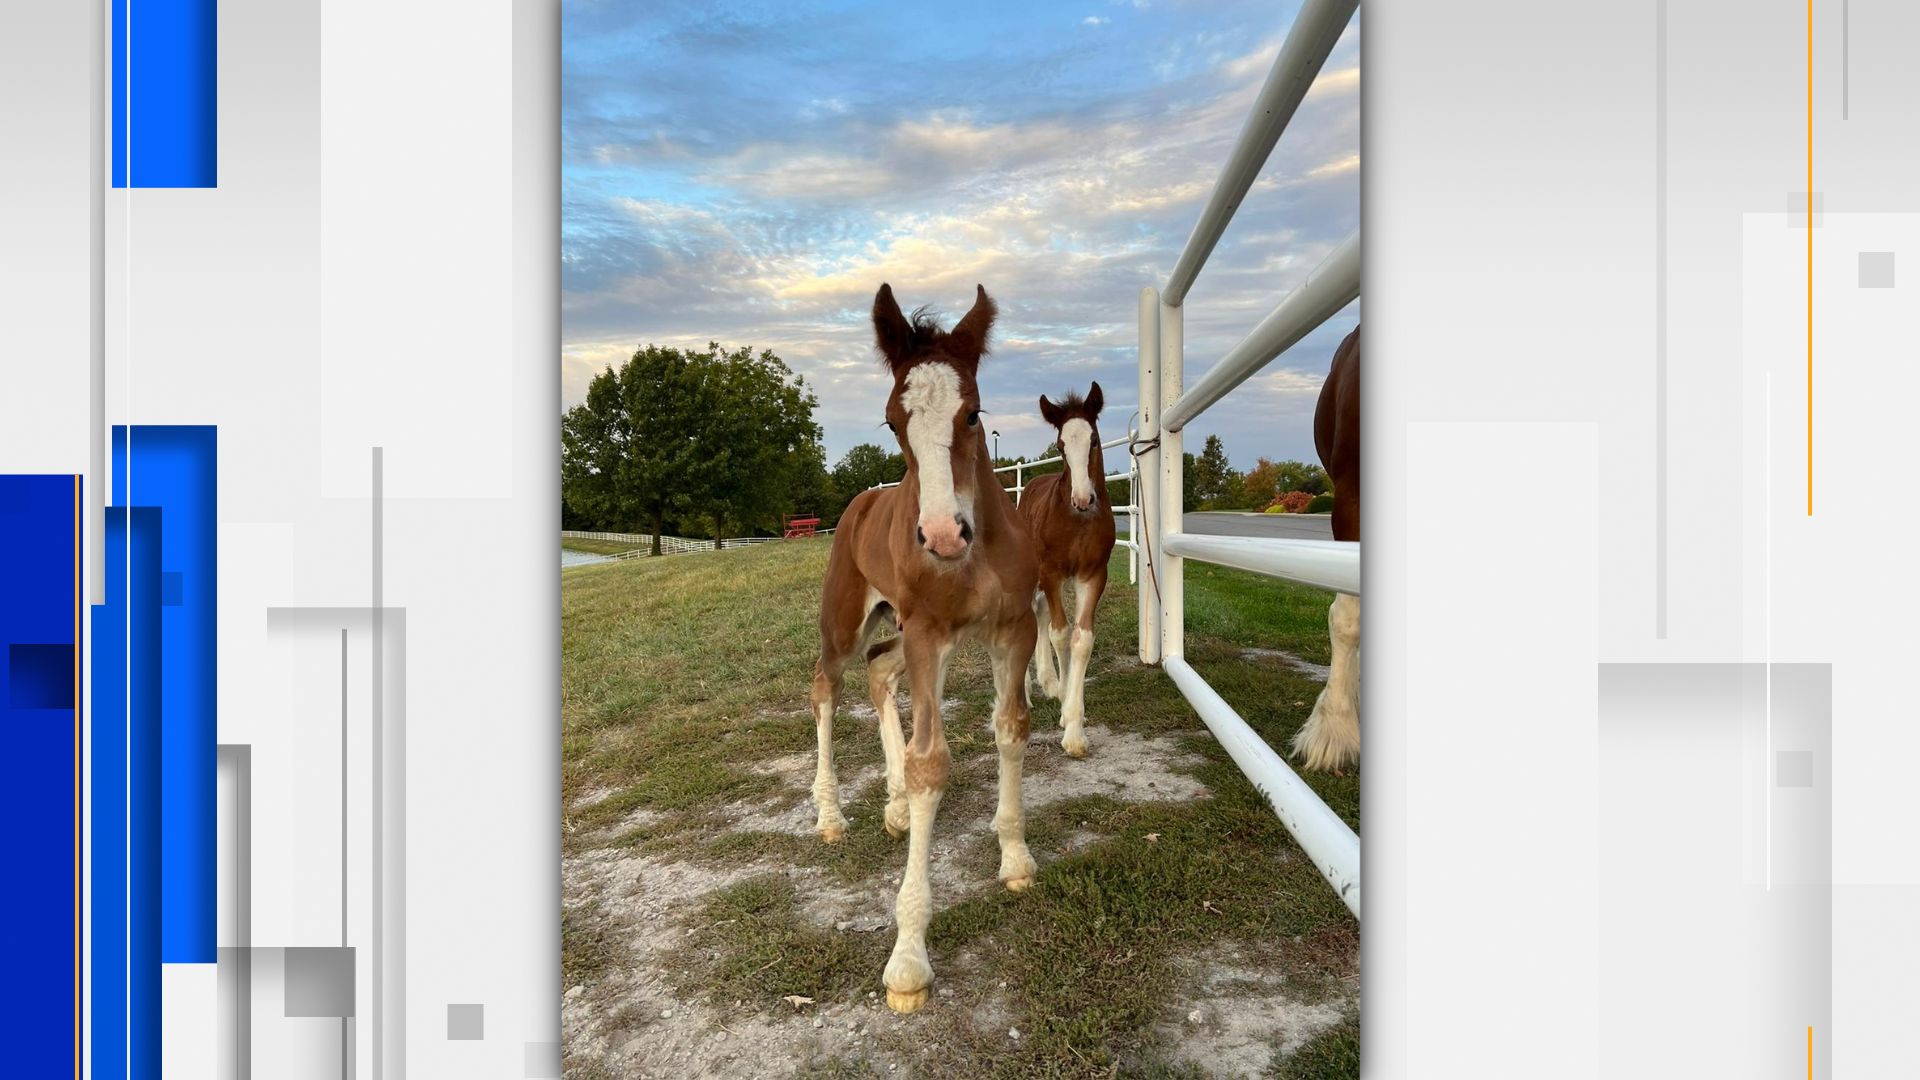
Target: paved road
column 1226, row 523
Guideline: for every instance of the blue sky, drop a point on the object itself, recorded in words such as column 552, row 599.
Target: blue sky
column 750, row 173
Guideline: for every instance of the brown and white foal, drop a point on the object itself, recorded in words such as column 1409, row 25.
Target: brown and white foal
column 947, row 557
column 1071, row 521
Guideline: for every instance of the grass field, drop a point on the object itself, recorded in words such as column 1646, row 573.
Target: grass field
column 1174, row 929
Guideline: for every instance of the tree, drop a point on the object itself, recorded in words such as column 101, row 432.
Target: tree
column 756, row 439
column 1260, row 485
column 862, row 467
column 725, row 435
column 1302, row 476
column 1210, row 474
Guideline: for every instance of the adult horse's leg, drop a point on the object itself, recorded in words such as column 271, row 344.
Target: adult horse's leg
column 926, row 764
column 1073, row 709
column 885, row 662
column 1012, row 722
column 1330, row 739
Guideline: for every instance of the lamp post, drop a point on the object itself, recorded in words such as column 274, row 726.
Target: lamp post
column 996, row 446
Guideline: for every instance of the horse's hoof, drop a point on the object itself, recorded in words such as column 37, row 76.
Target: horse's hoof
column 1075, row 747
column 1019, row 884
column 907, row 1001
column 832, row 834
column 894, row 833
column 896, row 823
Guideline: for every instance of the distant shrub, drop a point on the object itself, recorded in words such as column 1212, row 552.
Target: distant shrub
column 1320, row 504
column 1290, row 502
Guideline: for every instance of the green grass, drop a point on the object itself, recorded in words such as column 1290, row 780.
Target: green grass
column 681, row 674
column 597, row 547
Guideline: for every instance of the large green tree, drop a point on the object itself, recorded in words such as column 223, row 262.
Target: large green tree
column 722, row 436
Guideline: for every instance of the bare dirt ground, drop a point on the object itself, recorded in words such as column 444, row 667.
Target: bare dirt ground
column 1173, row 930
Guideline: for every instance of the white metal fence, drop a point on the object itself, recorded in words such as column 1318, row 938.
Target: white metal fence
column 1166, row 407
column 1131, row 509
column 669, row 545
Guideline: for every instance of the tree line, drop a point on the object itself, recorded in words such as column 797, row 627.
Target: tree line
column 714, row 443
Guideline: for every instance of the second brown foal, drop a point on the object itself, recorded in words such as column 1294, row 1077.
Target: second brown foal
column 1070, row 520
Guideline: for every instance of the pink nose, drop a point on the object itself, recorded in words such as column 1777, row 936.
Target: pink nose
column 947, row 539
column 1080, row 503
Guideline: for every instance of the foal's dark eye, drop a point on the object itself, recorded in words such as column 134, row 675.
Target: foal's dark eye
column 973, row 418
column 891, row 428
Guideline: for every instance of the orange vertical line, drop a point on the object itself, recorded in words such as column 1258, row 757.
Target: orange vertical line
column 1809, row 264
column 1809, row 1052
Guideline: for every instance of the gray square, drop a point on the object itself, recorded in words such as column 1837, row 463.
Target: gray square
column 1797, row 210
column 543, row 1060
column 1876, row 269
column 1793, row 768
column 318, row 981
column 466, row 1022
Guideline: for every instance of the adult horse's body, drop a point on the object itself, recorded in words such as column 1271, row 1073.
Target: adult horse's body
column 1070, row 520
column 946, row 555
column 1330, row 739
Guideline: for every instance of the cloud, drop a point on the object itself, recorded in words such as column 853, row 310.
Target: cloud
column 1095, row 20
column 1064, row 179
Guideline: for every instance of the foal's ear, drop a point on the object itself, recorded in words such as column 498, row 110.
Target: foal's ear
column 1094, row 400
column 892, row 333
column 969, row 335
column 1052, row 413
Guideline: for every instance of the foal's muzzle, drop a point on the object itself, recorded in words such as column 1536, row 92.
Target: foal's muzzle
column 948, row 540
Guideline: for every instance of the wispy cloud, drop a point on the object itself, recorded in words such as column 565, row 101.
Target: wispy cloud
column 750, row 177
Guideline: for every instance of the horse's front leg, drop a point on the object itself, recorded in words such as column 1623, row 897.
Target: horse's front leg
column 925, row 768
column 1073, row 703
column 1012, row 720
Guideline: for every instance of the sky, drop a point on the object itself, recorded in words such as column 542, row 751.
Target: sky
column 749, row 173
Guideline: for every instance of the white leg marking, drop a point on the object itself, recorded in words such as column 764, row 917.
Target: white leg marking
column 1056, row 645
column 826, row 789
column 1330, row 739
column 883, row 680
column 908, row 973
column 1073, row 738
column 1044, row 669
column 1017, row 867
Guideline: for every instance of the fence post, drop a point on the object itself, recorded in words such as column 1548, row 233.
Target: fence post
column 1019, row 481
column 1172, row 592
column 1146, row 477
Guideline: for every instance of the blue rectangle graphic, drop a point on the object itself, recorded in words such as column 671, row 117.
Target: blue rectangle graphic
column 165, row 102
column 126, row 801
column 173, row 469
column 39, row 677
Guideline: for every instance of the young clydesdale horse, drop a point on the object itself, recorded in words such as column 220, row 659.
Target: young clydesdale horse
column 1071, row 521
column 1330, row 739
column 946, row 556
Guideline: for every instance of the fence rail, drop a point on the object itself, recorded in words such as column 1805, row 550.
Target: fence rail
column 1167, row 406
column 669, row 545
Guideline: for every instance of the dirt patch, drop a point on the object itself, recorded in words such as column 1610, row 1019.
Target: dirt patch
column 1239, row 1018
column 1308, row 668
column 630, row 1020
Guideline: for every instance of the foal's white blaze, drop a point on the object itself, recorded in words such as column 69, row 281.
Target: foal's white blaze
column 1076, row 442
column 932, row 400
